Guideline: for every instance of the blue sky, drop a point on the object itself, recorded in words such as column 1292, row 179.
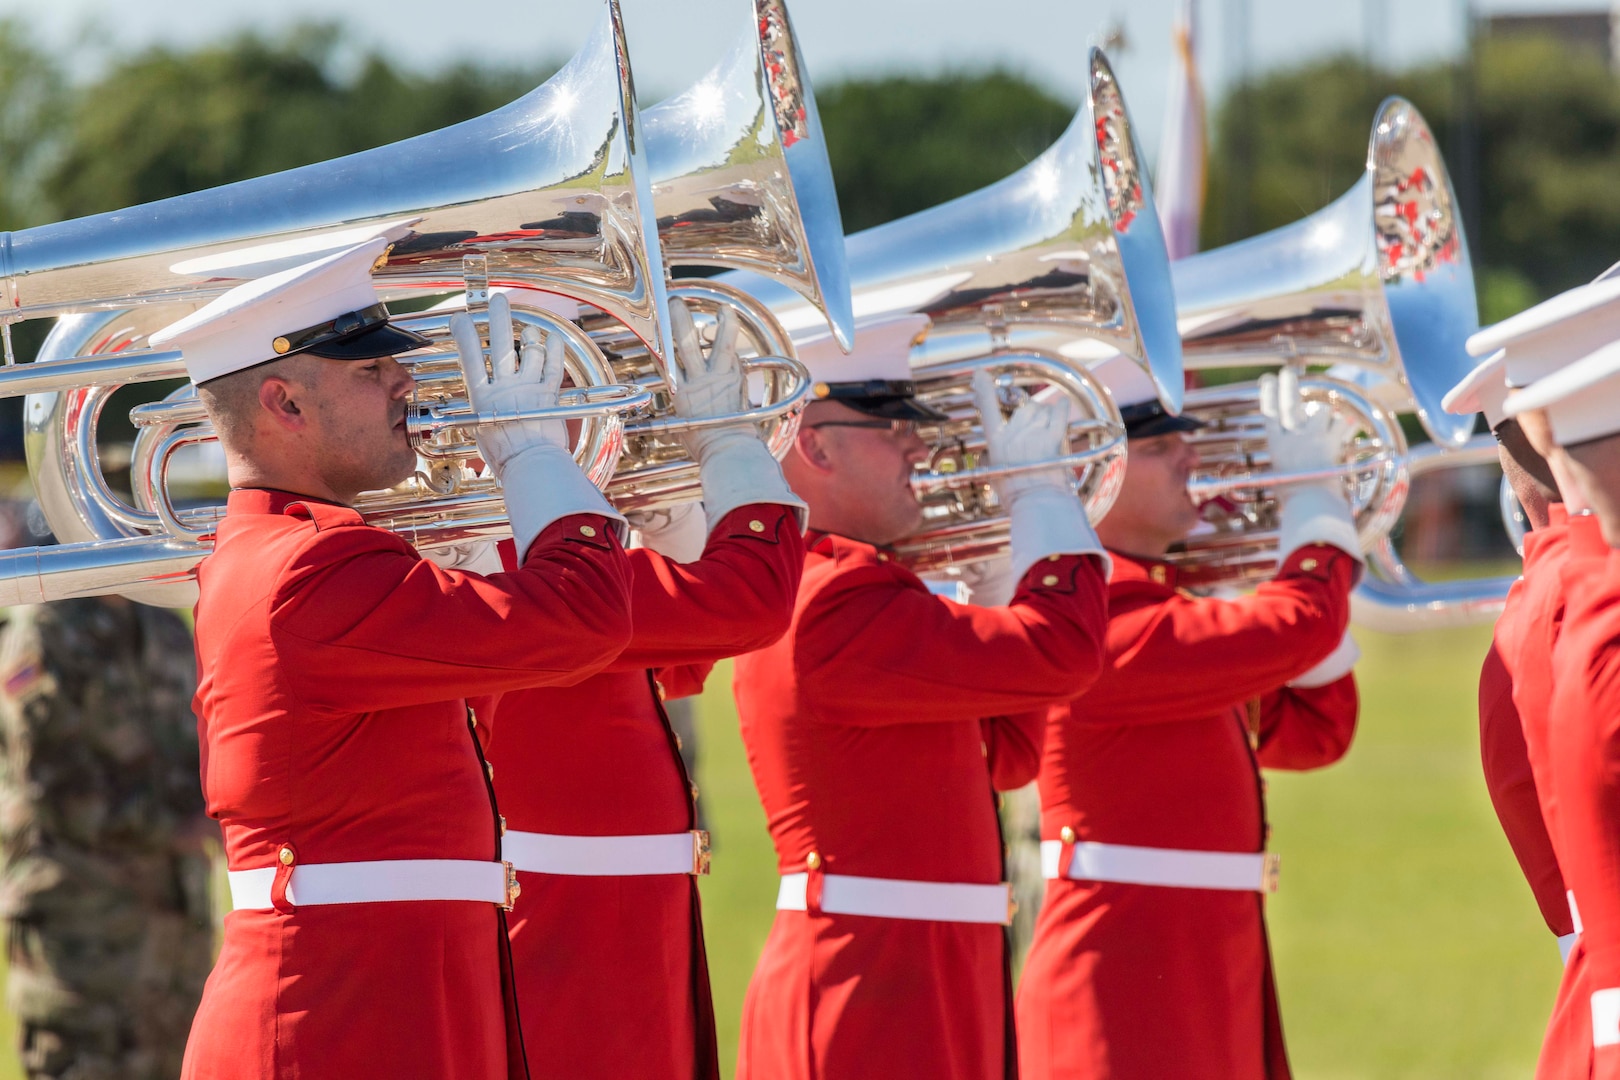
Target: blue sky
column 672, row 42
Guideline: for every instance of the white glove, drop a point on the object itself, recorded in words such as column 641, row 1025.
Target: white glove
column 1047, row 517
column 481, row 557
column 1331, row 669
column 538, row 475
column 990, row 583
column 734, row 465
column 1304, row 436
column 678, row 532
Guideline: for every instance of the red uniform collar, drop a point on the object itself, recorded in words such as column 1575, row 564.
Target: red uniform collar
column 1541, row 543
column 1137, row 568
column 826, row 543
column 268, row 501
column 1585, row 538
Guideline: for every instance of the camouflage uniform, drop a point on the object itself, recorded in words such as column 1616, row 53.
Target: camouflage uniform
column 104, row 868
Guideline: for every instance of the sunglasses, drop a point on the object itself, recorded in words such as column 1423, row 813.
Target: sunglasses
column 896, row 428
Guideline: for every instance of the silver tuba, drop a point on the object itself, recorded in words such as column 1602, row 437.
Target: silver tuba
column 740, row 180
column 1376, row 288
column 1039, row 277
column 549, row 193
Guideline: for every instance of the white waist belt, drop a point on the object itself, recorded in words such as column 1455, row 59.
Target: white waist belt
column 886, row 898
column 607, row 856
column 375, row 882
column 1164, row 866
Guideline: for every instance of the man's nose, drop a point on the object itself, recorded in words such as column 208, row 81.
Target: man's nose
column 914, row 449
column 401, row 382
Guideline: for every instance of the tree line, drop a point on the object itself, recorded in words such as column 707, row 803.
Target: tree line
column 1539, row 124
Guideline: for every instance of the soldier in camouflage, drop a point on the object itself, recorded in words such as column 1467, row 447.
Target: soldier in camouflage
column 104, row 861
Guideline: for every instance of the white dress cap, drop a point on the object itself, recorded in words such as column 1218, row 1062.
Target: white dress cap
column 1481, row 390
column 1126, row 381
column 1582, row 401
column 882, row 351
column 1554, row 333
column 238, row 330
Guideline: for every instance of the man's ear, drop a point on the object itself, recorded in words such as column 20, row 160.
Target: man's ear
column 279, row 398
column 811, row 446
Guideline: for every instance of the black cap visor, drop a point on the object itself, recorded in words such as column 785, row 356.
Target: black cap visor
column 1149, row 419
column 382, row 340
column 883, row 398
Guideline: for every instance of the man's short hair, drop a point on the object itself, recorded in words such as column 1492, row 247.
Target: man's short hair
column 232, row 400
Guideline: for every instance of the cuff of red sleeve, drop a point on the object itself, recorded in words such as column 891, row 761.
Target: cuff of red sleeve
column 1056, row 573
column 1316, row 514
column 765, row 522
column 592, row 530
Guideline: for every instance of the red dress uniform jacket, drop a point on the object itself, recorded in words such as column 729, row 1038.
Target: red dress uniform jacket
column 865, row 733
column 1536, row 622
column 333, row 665
column 1584, row 753
column 611, row 975
column 1145, row 982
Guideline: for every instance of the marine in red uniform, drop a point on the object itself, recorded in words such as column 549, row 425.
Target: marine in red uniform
column 339, row 754
column 878, row 729
column 600, row 821
column 1578, row 406
column 1522, row 628
column 1515, row 690
column 1522, row 349
column 1150, row 956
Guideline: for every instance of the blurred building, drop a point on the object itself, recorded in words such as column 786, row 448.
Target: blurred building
column 1589, row 31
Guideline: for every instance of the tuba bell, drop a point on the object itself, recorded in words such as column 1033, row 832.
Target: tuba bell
column 740, row 181
column 1374, row 294
column 549, row 193
column 1039, row 278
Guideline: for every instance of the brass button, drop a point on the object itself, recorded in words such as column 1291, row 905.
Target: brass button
column 1053, row 558
column 756, row 525
column 1049, row 580
column 502, row 822
column 1157, row 574
column 489, row 771
column 679, row 744
column 984, row 748
column 813, row 860
column 472, row 718
column 281, row 345
column 658, row 688
column 883, row 556
column 587, row 530
column 1067, row 834
column 694, row 793
column 1307, row 564
column 286, row 856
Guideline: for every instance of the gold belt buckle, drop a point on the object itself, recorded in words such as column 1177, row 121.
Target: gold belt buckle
column 1270, row 871
column 700, row 852
column 513, row 889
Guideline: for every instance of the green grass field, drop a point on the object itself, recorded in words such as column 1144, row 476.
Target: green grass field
column 1407, row 943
